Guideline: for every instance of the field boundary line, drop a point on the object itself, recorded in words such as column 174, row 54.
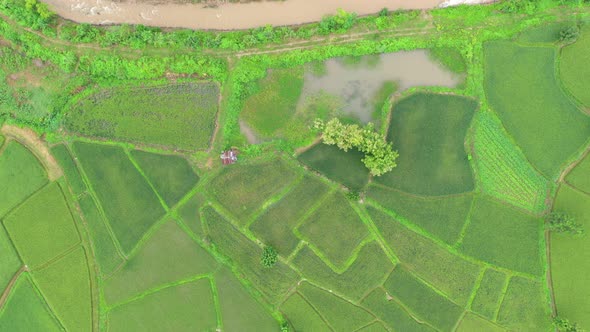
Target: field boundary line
column 33, row 143
column 500, row 301
column 338, row 295
column 405, row 308
column 475, row 289
column 46, row 304
column 97, row 204
column 274, row 199
column 156, row 289
column 466, row 223
column 374, row 230
column 149, row 182
column 216, row 302
column 148, row 235
column 316, row 311
column 452, row 250
column 458, row 322
column 376, row 321
column 8, row 290
column 300, row 245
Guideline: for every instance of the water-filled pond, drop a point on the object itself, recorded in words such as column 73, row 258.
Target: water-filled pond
column 356, row 82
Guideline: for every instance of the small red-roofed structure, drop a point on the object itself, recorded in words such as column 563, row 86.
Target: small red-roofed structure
column 229, row 157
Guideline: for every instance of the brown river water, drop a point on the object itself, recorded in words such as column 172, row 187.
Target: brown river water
column 225, row 16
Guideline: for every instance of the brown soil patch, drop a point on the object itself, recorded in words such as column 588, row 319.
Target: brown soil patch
column 32, row 141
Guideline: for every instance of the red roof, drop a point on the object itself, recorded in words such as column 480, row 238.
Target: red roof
column 229, row 157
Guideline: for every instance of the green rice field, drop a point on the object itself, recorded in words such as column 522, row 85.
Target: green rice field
column 121, row 211
column 149, row 115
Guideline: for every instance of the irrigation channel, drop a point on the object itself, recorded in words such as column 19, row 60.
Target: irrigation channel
column 223, row 15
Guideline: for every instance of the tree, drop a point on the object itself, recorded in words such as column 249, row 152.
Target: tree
column 269, row 257
column 561, row 222
column 563, row 325
column 569, row 34
column 379, row 155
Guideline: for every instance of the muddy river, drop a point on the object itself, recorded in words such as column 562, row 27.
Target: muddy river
column 225, row 16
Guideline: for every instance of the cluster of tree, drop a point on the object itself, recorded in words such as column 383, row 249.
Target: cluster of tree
column 564, row 325
column 569, row 34
column 562, row 222
column 379, row 155
column 269, row 257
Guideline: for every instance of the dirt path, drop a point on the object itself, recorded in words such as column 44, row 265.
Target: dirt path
column 30, row 139
column 11, row 284
column 573, row 165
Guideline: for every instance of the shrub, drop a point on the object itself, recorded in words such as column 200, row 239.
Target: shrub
column 269, row 257
column 561, row 222
column 569, row 34
column 563, row 325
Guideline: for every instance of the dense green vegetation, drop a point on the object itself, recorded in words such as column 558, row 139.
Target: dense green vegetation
column 134, row 239
column 129, row 203
column 571, row 291
column 21, row 174
column 26, row 311
column 524, row 91
column 429, row 132
column 180, row 116
column 42, row 227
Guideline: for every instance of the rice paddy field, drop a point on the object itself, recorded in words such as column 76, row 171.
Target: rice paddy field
column 124, row 217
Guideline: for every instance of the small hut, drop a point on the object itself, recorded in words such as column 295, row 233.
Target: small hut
column 229, row 157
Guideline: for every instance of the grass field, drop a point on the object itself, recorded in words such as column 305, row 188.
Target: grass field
column 392, row 313
column 449, row 273
column 42, row 228
column 525, row 306
column 66, row 286
column 171, row 176
column 579, row 177
column 422, row 300
column 335, row 229
column 21, row 174
column 523, row 90
column 9, row 260
column 175, row 116
column 345, row 168
column 504, row 236
column 429, row 132
column 190, row 214
column 271, row 108
column 168, row 256
column 503, row 170
column 272, row 283
column 302, row 316
column 570, row 259
column 375, row 327
column 275, row 226
column 572, row 69
column 186, row 307
column 339, row 313
column 546, row 34
column 367, row 272
column 244, row 188
column 489, row 293
column 450, row 58
column 130, row 204
column 105, row 251
column 472, row 322
column 239, row 310
column 442, row 217
column 64, row 158
column 25, row 310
